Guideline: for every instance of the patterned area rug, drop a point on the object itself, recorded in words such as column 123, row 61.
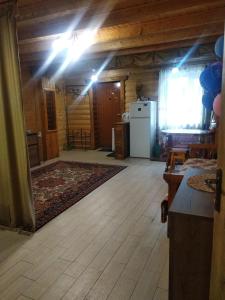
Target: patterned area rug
column 58, row 186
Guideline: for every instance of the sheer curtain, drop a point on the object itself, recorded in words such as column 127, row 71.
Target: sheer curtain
column 180, row 98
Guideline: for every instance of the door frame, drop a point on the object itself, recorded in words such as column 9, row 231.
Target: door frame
column 217, row 284
column 120, row 79
column 44, row 130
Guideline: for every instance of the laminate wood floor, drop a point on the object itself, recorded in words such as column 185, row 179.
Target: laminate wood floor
column 110, row 245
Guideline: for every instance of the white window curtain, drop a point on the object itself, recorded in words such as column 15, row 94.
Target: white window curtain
column 180, row 98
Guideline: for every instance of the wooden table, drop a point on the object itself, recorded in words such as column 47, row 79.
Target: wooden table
column 190, row 231
column 174, row 177
column 188, row 136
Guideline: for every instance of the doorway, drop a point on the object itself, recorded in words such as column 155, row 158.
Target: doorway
column 107, row 111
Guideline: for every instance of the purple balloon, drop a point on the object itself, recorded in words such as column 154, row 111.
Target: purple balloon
column 211, row 78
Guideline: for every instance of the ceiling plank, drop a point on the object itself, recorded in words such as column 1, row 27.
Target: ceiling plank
column 162, row 37
column 55, row 8
column 161, row 25
column 206, row 23
column 166, row 24
column 133, row 26
column 135, row 14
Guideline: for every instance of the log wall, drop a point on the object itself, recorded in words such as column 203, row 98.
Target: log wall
column 141, row 84
column 60, row 99
column 79, row 122
column 138, row 83
column 31, row 95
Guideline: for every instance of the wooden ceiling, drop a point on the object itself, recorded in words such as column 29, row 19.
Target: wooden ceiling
column 125, row 26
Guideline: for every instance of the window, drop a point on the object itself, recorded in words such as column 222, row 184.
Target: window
column 51, row 112
column 180, row 98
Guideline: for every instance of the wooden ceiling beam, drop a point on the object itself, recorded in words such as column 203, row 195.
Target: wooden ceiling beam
column 159, row 47
column 161, row 38
column 162, row 25
column 35, row 27
column 204, row 22
column 40, row 57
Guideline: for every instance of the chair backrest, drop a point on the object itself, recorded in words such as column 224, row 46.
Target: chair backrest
column 208, row 151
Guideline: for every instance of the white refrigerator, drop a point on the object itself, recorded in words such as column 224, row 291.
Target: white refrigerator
column 142, row 128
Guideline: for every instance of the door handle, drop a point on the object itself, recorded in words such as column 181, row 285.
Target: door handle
column 219, row 176
column 218, row 189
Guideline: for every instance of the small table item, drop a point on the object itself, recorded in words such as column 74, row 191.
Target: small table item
column 174, row 177
column 199, row 182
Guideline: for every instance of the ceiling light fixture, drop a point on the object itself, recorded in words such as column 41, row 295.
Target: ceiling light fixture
column 175, row 70
column 80, row 44
column 94, row 78
column 74, row 45
column 64, row 42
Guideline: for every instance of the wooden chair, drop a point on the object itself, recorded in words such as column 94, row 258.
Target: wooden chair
column 176, row 155
column 208, row 151
column 173, row 179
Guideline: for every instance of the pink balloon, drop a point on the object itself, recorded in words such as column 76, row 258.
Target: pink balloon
column 217, row 105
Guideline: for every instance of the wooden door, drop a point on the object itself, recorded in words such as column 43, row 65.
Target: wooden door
column 217, row 288
column 49, row 126
column 108, row 111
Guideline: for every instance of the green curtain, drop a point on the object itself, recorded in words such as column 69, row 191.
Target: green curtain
column 16, row 207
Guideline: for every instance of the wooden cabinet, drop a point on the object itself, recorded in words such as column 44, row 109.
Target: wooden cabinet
column 33, row 149
column 190, row 230
column 49, row 126
column 122, row 139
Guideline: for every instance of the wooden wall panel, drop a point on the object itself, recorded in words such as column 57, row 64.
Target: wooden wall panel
column 141, row 84
column 60, row 114
column 139, row 72
column 79, row 111
column 32, row 93
column 130, row 92
column 79, row 118
column 79, row 108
